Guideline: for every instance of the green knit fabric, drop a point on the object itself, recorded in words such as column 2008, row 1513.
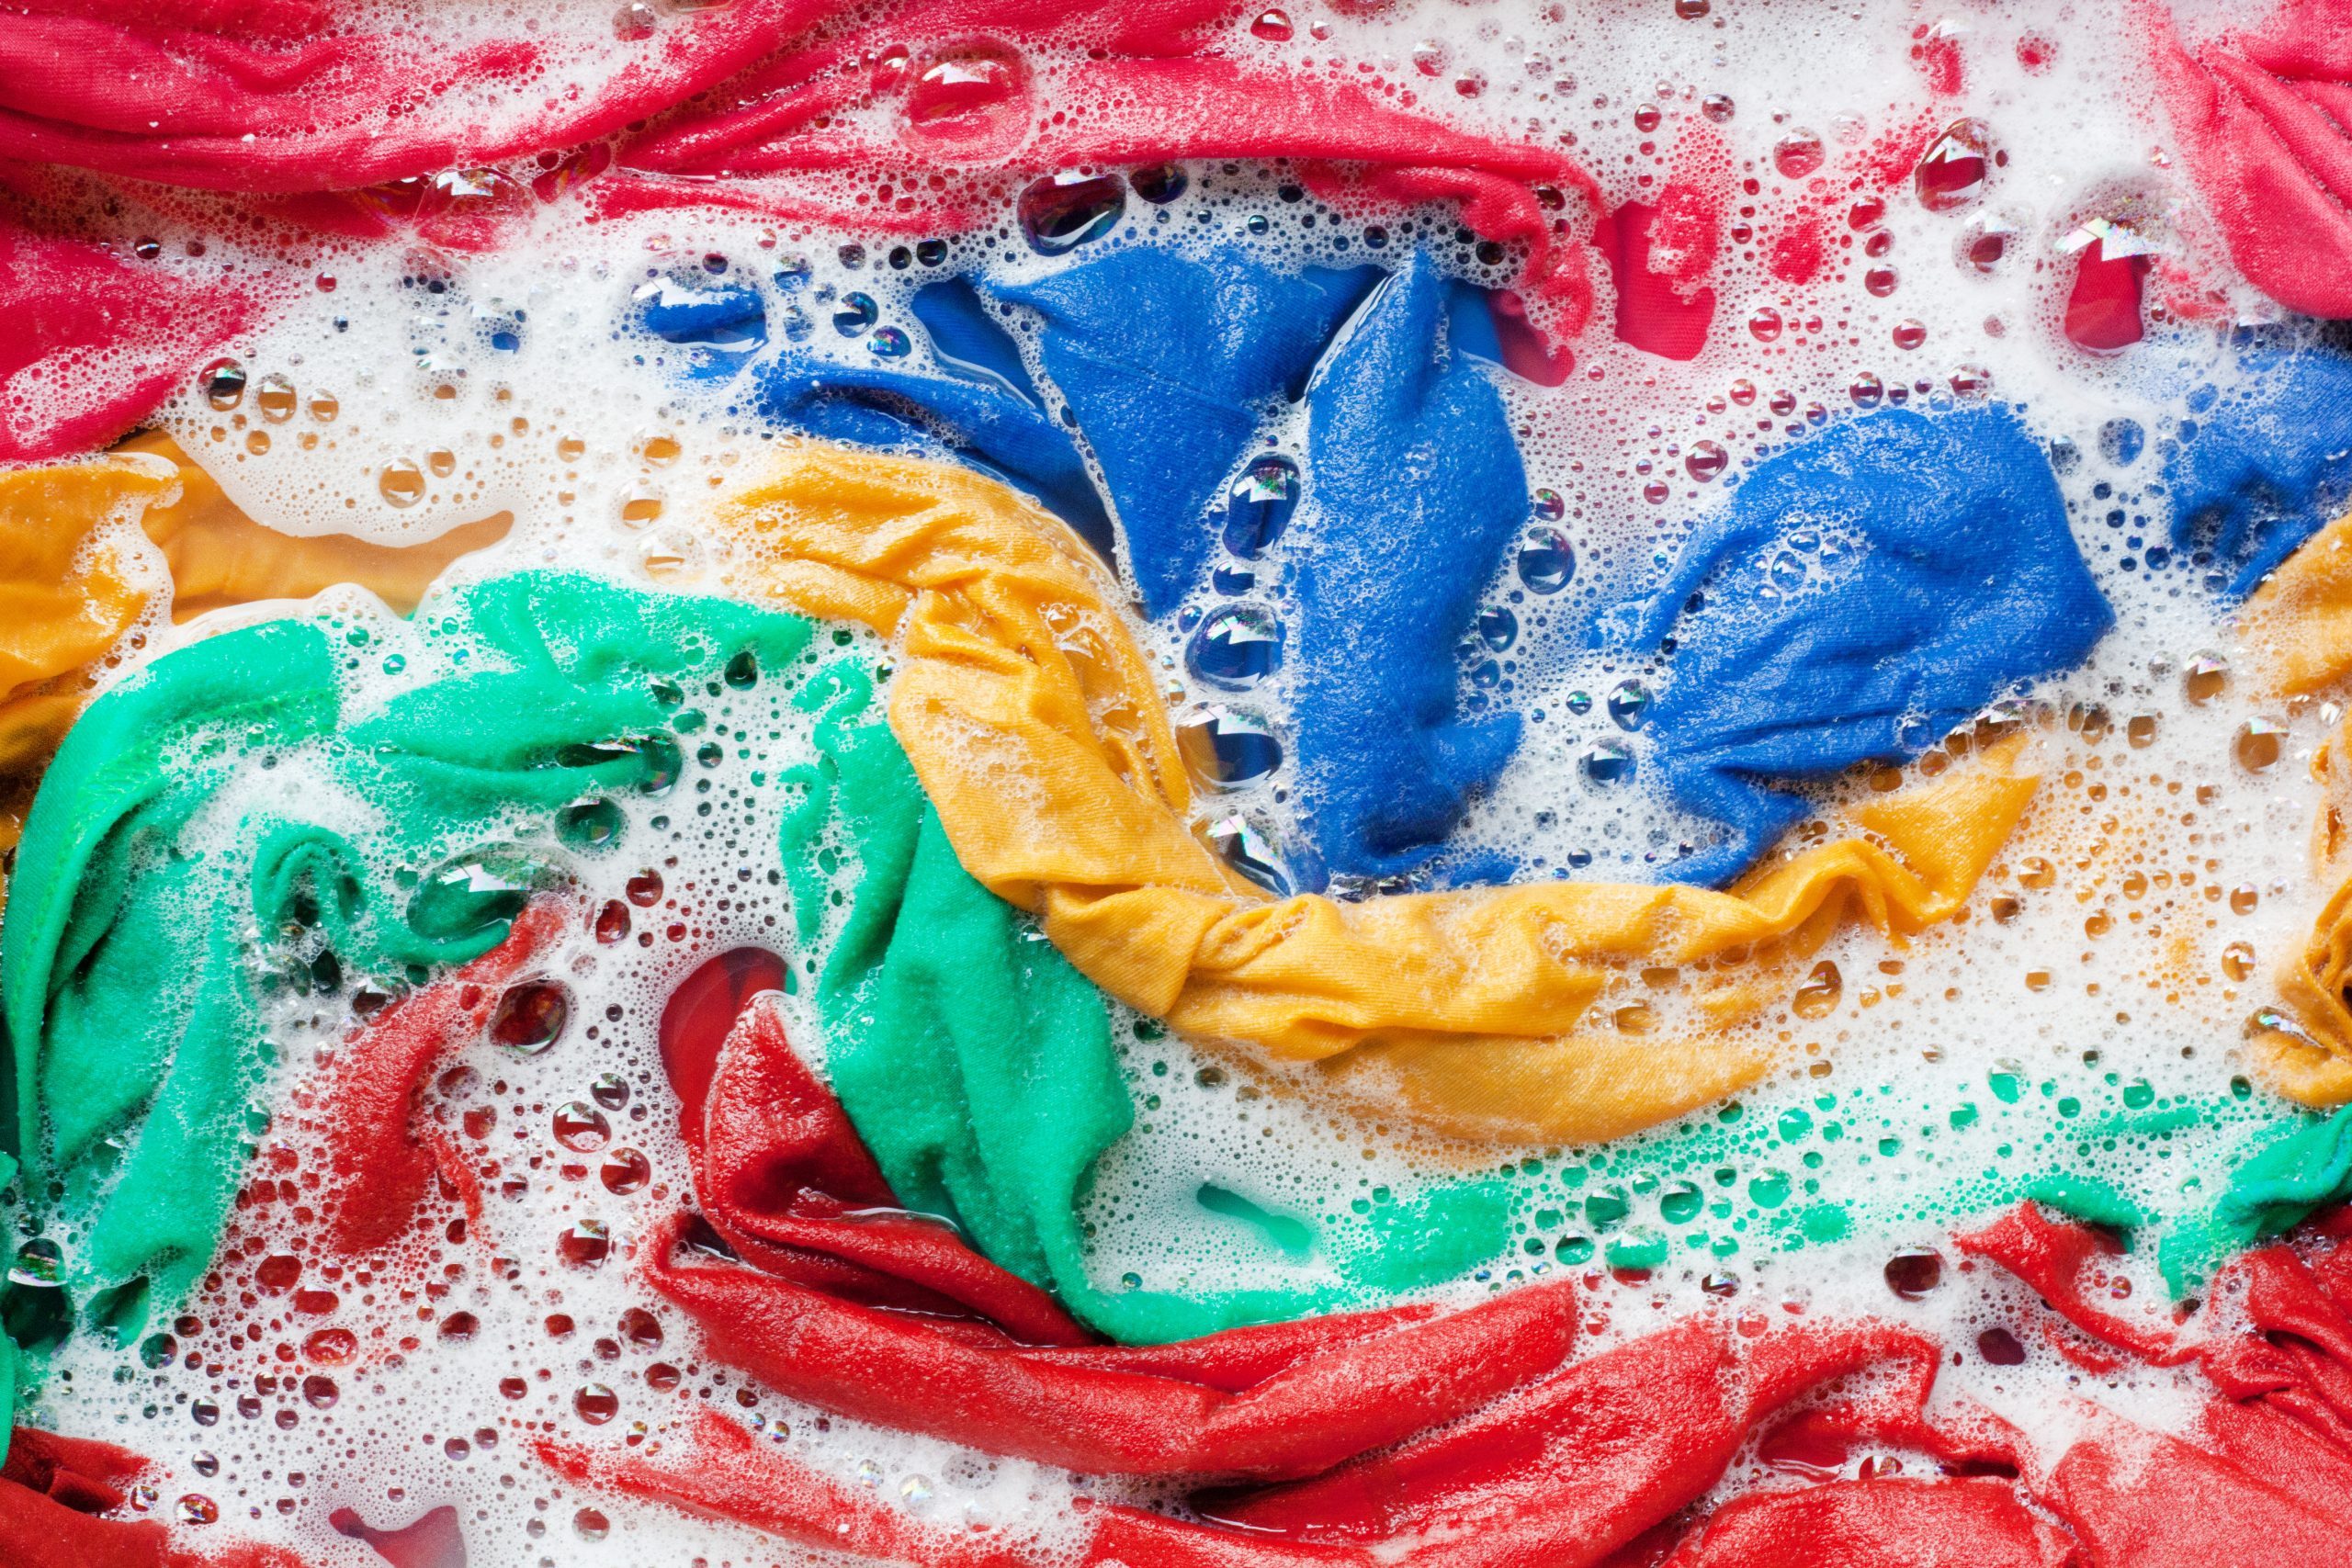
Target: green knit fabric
column 152, row 903
column 979, row 1065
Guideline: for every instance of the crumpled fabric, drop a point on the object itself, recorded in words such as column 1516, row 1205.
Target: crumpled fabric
column 2255, row 472
column 94, row 339
column 1862, row 594
column 2263, row 116
column 60, row 610
column 129, row 984
column 811, row 1294
column 1166, row 365
column 979, row 1065
column 54, row 1492
column 287, row 107
column 1035, row 726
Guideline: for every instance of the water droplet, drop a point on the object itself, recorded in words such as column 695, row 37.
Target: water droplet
column 625, row 1171
column 1797, row 154
column 401, row 483
column 1817, row 997
column 915, row 1491
column 644, row 889
column 588, row 1523
column 1428, row 57
column 40, row 1262
column 1680, row 1203
column 611, row 922
column 1866, row 390
column 1226, row 749
column 331, row 1347
column 323, row 407
column 1705, row 460
column 1647, row 119
column 1248, row 850
column 2237, row 960
column 1717, row 108
column 1629, row 704
column 590, row 823
column 1159, row 184
column 1549, row 507
column 585, row 1245
column 1272, row 25
column 196, row 1509
column 1971, row 382
column 1546, row 560
column 1955, row 169
column 2257, row 744
column 1498, row 628
column 580, row 1127
column 1910, row 334
column 1063, row 211
column 671, row 555
column 1880, row 281
column 224, row 384
column 2204, row 677
column 1237, row 647
column 2000, row 1348
column 530, row 1017
column 275, row 398
column 1764, row 325
column 1260, row 505
column 1608, row 762
column 854, row 314
column 1914, row 1271
column 596, row 1404
column 2120, row 441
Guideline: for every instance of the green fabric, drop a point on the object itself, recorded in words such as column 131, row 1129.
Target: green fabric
column 979, row 1065
column 150, row 909
column 2270, row 1191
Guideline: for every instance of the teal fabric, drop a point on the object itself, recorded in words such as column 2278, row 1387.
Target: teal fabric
column 127, row 962
column 979, row 1067
column 2270, row 1191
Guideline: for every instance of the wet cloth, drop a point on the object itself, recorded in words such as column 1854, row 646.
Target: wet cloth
column 1166, row 365
column 2263, row 114
column 1035, row 723
column 129, row 983
column 1859, row 594
column 2255, row 472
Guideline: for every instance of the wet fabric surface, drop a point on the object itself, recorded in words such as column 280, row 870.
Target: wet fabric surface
column 1840, row 610
column 1462, row 1003
column 2256, row 473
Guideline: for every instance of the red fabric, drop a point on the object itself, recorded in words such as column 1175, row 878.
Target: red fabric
column 379, row 1165
column 2058, row 1261
column 1877, row 1524
column 94, row 341
column 816, row 1309
column 1659, row 256
column 784, row 1181
column 54, row 1487
column 759, row 91
column 2264, row 119
column 432, row 1540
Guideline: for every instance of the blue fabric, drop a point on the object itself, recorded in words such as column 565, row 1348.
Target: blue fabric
column 1168, row 364
column 1858, row 596
column 2258, row 471
column 1163, row 367
column 1419, row 491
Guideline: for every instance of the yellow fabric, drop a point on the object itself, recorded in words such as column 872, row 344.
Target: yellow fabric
column 1033, row 720
column 66, row 595
column 218, row 556
column 2298, row 628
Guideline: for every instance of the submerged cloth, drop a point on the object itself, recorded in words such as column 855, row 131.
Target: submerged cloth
column 2264, row 116
column 130, row 991
column 1035, row 726
column 835, row 1298
column 1604, row 1463
column 1859, row 594
column 1166, row 365
column 2255, row 472
column 55, row 1495
column 978, row 1064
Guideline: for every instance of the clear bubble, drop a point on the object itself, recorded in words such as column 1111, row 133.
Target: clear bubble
column 1274, row 27
column 1498, row 628
column 1260, row 506
column 40, row 1262
column 1957, row 167
column 1237, row 647
column 1608, row 762
column 1249, row 849
column 1063, row 211
column 224, row 384
column 1547, row 561
column 1227, row 749
column 401, row 483
column 1629, row 704
column 1798, row 153
column 580, row 1127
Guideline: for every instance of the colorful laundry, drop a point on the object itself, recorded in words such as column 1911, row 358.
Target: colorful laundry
column 1173, row 784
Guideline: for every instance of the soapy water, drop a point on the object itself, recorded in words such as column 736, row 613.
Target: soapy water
column 2084, row 1015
